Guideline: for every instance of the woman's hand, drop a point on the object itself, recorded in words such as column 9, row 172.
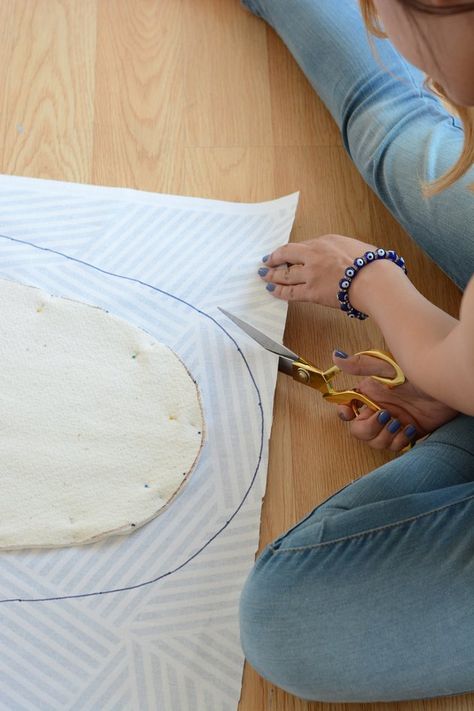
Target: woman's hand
column 424, row 340
column 407, row 415
column 312, row 269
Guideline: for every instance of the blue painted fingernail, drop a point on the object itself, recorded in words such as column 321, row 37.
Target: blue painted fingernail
column 265, row 258
column 340, row 354
column 410, row 431
column 262, row 271
column 394, row 426
column 271, row 287
column 383, row 417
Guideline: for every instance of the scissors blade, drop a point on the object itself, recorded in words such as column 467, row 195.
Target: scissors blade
column 285, row 365
column 265, row 341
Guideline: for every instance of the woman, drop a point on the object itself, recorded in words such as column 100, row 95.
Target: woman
column 371, row 596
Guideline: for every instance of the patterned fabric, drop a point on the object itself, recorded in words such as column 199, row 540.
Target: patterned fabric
column 150, row 620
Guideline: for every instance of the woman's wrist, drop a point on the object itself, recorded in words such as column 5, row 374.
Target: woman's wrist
column 376, row 284
column 413, row 328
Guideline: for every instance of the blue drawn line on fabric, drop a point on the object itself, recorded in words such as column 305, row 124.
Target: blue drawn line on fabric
column 252, row 481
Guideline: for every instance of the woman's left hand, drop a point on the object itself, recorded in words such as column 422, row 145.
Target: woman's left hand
column 312, row 268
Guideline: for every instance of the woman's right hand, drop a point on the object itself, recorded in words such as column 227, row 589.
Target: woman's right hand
column 407, row 410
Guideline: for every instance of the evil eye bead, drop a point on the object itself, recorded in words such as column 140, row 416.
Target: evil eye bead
column 345, row 283
column 358, row 314
column 351, row 271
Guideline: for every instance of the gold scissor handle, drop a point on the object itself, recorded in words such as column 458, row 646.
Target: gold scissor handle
column 351, row 397
column 308, row 374
column 399, row 377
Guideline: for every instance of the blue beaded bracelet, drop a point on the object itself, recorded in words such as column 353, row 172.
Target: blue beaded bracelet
column 351, row 272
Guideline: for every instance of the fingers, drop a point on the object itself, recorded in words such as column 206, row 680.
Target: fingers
column 345, row 413
column 380, row 431
column 297, row 292
column 285, row 282
column 284, row 274
column 293, row 253
column 362, row 365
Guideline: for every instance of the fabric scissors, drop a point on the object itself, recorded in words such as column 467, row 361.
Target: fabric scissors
column 308, row 374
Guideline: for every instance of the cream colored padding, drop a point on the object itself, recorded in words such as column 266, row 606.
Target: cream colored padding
column 100, row 425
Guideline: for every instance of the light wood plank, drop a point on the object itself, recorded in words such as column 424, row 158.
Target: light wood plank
column 139, row 99
column 48, row 86
column 229, row 173
column 226, row 79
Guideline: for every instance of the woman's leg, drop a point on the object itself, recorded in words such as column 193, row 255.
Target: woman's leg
column 395, row 131
column 370, row 597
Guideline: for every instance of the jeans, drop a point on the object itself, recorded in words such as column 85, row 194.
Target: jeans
column 371, row 596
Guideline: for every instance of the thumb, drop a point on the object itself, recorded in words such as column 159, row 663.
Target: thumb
column 345, row 362
column 362, row 364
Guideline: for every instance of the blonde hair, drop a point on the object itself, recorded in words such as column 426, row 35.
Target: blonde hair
column 465, row 113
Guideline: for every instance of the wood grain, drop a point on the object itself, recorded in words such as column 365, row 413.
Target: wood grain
column 199, row 97
column 48, row 88
column 226, row 74
column 139, row 98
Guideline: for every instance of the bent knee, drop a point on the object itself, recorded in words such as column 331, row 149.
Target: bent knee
column 272, row 620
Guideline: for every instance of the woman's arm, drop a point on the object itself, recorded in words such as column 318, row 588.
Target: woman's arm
column 434, row 350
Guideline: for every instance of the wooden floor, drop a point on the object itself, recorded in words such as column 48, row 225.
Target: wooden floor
column 198, row 97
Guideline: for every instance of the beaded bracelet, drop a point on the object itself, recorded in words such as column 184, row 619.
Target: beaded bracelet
column 351, row 272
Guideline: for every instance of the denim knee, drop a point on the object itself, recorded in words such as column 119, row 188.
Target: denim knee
column 268, row 629
column 258, row 632
column 383, row 615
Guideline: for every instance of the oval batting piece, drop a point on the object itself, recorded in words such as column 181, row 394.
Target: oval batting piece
column 100, row 425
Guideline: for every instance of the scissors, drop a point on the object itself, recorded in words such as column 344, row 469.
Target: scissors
column 308, row 374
